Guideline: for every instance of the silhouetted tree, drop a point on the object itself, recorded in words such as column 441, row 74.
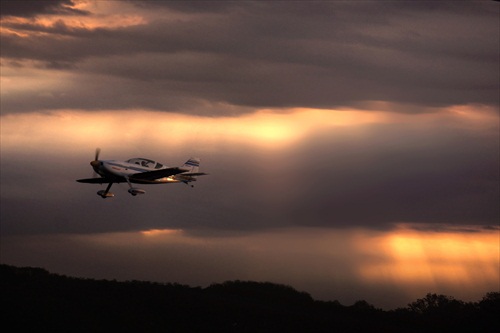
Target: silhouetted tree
column 489, row 309
column 363, row 306
column 35, row 300
column 433, row 303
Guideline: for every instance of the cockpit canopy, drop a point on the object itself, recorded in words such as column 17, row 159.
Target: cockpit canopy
column 146, row 163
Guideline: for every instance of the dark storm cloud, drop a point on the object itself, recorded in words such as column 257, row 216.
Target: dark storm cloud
column 27, row 8
column 268, row 54
column 409, row 175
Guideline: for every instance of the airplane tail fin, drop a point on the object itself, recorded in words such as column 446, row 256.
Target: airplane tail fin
column 192, row 165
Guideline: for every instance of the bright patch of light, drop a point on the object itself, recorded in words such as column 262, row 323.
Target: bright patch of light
column 432, row 258
column 160, row 232
column 264, row 129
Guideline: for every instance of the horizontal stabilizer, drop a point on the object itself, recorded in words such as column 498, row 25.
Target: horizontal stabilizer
column 194, row 174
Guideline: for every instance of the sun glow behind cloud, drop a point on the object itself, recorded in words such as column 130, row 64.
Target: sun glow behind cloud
column 434, row 259
column 449, row 261
column 262, row 129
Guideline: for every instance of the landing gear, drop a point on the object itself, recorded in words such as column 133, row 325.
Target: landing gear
column 134, row 190
column 105, row 193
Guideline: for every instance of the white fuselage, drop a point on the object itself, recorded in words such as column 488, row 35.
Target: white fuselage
column 125, row 169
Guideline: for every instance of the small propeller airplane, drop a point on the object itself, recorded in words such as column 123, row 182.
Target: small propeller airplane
column 139, row 171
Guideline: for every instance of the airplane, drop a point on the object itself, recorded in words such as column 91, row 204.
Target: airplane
column 140, row 171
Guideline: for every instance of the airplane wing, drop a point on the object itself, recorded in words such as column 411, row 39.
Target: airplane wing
column 95, row 180
column 194, row 174
column 140, row 176
column 152, row 175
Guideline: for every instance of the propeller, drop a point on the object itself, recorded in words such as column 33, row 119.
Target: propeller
column 97, row 153
column 96, row 163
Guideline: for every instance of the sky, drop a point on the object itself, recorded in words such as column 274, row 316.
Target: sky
column 352, row 146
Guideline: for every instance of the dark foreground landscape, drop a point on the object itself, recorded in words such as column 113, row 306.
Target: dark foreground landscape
column 36, row 300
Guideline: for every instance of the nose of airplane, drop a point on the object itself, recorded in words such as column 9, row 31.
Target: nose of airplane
column 96, row 163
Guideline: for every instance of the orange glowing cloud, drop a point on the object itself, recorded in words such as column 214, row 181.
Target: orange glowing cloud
column 104, row 15
column 160, row 232
column 264, row 129
column 402, row 257
column 432, row 258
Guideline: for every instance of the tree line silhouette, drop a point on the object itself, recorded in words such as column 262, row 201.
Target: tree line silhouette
column 35, row 300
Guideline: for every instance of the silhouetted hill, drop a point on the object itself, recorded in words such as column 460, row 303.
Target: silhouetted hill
column 35, row 300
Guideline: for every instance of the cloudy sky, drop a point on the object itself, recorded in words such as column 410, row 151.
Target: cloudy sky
column 352, row 147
